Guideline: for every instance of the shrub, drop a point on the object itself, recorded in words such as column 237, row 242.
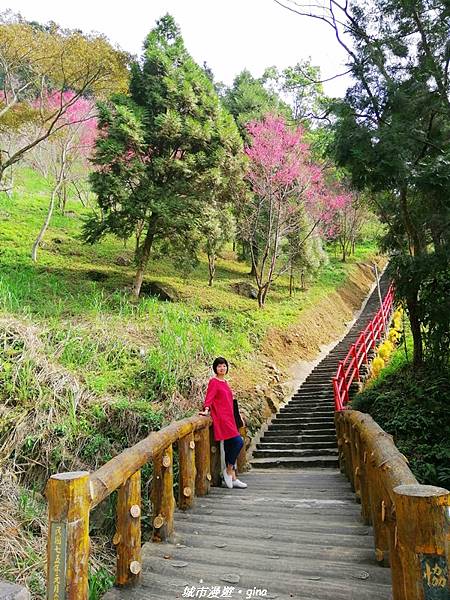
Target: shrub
column 414, row 408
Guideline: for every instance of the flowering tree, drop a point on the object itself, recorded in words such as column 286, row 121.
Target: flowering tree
column 289, row 190
column 60, row 157
column 35, row 59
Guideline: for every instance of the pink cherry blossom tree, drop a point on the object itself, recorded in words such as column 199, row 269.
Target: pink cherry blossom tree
column 289, row 190
column 62, row 157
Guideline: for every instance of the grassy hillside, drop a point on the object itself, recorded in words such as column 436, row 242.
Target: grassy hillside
column 91, row 327
column 85, row 372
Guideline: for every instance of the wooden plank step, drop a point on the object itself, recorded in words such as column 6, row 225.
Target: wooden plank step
column 295, row 534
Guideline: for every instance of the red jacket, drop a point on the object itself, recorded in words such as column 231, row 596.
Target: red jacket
column 219, row 399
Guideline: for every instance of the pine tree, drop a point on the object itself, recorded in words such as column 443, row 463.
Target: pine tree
column 163, row 150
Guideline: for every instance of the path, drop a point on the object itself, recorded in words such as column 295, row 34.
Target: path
column 292, row 534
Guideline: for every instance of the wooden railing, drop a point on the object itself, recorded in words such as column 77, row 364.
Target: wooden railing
column 349, row 369
column 71, row 496
column 411, row 522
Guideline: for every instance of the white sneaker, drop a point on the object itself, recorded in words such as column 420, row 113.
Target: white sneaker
column 237, row 483
column 228, row 479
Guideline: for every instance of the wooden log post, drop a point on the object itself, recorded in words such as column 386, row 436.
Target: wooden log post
column 214, row 459
column 163, row 501
column 348, row 452
column 186, row 455
column 366, row 514
column 423, row 541
column 128, row 533
column 242, row 458
column 339, row 424
column 68, row 496
column 202, row 462
column 361, row 456
column 395, row 472
column 378, row 510
column 354, row 450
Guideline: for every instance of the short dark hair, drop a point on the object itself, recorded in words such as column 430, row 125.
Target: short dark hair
column 220, row 360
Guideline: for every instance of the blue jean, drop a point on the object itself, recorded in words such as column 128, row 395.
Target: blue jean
column 232, row 447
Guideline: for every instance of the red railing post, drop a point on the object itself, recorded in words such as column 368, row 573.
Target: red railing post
column 346, row 388
column 365, row 347
column 372, row 335
column 355, row 359
column 337, row 396
column 367, row 341
column 379, row 325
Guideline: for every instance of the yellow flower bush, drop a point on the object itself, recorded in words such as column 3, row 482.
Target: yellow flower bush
column 387, row 347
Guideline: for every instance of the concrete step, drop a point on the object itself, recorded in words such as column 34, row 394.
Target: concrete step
column 310, row 417
column 305, row 396
column 311, row 400
column 298, row 427
column 306, row 403
column 301, row 413
column 290, row 434
column 300, row 439
column 297, row 453
column 320, row 425
column 295, row 463
column 296, row 445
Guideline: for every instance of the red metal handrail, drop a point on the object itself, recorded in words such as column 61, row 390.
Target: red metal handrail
column 349, row 368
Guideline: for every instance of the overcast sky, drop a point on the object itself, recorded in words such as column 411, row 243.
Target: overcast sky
column 229, row 35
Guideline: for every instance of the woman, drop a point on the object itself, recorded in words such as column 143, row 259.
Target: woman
column 219, row 403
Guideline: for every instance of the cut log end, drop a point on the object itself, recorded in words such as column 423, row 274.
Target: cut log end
column 420, row 491
column 135, row 567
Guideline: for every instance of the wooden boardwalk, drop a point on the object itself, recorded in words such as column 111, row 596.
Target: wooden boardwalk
column 292, row 534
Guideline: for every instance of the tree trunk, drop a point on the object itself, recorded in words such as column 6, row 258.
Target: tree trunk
column 291, row 281
column 137, row 245
column 254, row 257
column 7, row 186
column 413, row 311
column 262, row 293
column 144, row 256
column 63, row 197
column 59, row 182
column 44, row 227
column 344, row 251
column 211, row 268
column 260, row 298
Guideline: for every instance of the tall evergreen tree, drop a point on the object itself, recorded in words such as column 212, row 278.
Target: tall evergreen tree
column 248, row 100
column 163, row 151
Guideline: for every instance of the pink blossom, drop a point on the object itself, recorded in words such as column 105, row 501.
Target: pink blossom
column 281, row 167
column 77, row 112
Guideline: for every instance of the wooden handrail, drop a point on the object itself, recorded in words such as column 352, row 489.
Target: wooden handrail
column 71, row 496
column 116, row 471
column 349, row 368
column 410, row 521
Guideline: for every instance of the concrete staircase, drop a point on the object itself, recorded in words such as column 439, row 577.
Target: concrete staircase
column 302, row 434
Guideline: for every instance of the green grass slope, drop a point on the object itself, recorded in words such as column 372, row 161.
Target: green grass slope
column 148, row 350
column 84, row 372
